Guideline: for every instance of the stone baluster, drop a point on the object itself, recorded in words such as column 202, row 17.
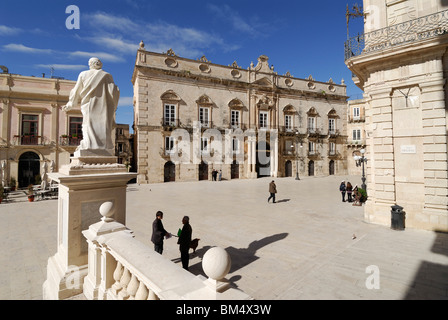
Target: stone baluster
column 152, row 296
column 124, row 282
column 133, row 287
column 142, row 292
column 118, row 273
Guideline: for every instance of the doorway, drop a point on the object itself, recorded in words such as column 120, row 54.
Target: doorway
column 203, row 171
column 331, row 167
column 29, row 168
column 169, row 172
column 288, row 168
column 311, row 168
column 235, row 170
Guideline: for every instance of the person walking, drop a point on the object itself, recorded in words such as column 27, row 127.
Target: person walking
column 158, row 232
column 272, row 191
column 184, row 242
column 343, row 190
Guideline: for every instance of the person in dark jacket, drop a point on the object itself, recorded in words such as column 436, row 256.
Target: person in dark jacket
column 158, row 232
column 184, row 242
column 343, row 190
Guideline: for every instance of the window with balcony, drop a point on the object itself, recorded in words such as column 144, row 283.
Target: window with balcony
column 356, row 114
column 288, row 123
column 204, row 117
column 332, row 148
column 75, row 131
column 331, row 126
column 356, row 135
column 169, row 115
column 311, row 124
column 311, row 148
column 263, row 119
column 235, row 118
column 30, row 129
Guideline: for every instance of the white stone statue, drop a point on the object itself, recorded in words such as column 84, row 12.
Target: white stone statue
column 98, row 95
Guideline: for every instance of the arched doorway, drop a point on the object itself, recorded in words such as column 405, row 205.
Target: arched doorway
column 29, row 168
column 263, row 159
column 288, row 168
column 234, row 170
column 203, row 171
column 311, row 168
column 169, row 172
column 331, row 167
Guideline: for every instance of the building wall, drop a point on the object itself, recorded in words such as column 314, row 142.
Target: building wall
column 190, row 84
column 41, row 97
column 406, row 117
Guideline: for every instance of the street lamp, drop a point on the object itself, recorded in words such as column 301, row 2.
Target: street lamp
column 360, row 160
column 297, row 154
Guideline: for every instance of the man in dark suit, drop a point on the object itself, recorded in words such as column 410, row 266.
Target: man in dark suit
column 158, row 232
column 184, row 242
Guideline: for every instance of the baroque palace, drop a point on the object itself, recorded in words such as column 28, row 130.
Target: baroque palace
column 192, row 117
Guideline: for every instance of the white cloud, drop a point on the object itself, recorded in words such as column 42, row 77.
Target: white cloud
column 158, row 36
column 101, row 55
column 63, row 66
column 126, row 102
column 22, row 48
column 9, row 31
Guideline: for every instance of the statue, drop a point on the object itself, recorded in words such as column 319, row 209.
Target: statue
column 98, row 95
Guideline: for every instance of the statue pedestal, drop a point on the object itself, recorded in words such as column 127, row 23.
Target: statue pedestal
column 83, row 187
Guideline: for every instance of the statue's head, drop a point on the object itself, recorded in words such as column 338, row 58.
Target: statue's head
column 95, row 63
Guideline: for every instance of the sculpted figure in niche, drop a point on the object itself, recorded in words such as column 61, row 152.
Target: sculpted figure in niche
column 98, row 95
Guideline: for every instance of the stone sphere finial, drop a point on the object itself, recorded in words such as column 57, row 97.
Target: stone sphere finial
column 216, row 263
column 106, row 210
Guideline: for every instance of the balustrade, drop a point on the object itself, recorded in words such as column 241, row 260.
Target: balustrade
column 122, row 268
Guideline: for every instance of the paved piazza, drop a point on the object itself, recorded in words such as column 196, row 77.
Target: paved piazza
column 299, row 248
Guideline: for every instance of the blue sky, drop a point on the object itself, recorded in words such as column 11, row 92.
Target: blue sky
column 302, row 37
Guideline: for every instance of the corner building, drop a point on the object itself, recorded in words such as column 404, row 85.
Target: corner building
column 246, row 123
column 401, row 63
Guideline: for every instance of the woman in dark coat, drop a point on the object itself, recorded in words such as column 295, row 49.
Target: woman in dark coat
column 184, row 242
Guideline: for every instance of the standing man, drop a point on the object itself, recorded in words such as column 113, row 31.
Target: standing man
column 158, row 232
column 342, row 189
column 272, row 191
column 184, row 242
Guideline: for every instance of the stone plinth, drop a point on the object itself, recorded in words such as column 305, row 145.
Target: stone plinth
column 83, row 187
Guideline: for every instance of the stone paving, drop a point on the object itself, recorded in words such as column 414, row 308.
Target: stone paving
column 308, row 245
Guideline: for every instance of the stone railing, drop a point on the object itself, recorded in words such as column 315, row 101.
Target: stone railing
column 122, row 268
column 422, row 28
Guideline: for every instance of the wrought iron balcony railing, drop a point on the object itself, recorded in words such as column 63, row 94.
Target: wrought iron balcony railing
column 423, row 28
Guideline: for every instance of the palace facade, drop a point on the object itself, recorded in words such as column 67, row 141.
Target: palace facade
column 192, row 117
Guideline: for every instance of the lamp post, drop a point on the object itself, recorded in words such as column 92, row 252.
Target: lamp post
column 360, row 160
column 297, row 154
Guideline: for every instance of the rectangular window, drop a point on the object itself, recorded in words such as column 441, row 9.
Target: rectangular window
column 288, row 123
column 235, row 145
column 312, row 124
column 289, row 147
column 311, row 149
column 204, row 145
column 263, row 120
column 332, row 126
column 356, row 114
column 169, row 115
column 204, row 118
column 30, row 126
column 356, row 135
column 169, row 145
column 235, row 118
column 332, row 148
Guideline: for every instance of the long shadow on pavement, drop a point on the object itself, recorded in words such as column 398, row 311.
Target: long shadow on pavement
column 241, row 257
